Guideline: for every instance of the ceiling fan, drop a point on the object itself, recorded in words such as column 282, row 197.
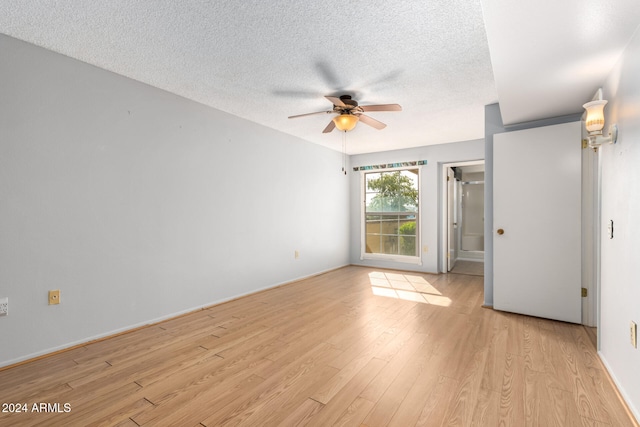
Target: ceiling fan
column 350, row 113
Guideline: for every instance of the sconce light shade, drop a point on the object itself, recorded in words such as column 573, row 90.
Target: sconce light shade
column 595, row 116
column 594, row 123
column 345, row 122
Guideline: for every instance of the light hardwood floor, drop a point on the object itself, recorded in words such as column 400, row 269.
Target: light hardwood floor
column 353, row 347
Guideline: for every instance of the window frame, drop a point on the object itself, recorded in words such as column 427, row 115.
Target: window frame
column 364, row 255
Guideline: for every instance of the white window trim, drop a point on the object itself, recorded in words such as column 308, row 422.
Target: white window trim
column 363, row 201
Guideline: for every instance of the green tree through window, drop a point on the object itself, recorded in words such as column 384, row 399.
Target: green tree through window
column 394, row 191
column 391, row 212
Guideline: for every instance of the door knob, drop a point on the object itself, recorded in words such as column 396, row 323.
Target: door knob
column 500, row 231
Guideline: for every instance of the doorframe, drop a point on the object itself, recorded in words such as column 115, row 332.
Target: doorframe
column 444, row 207
column 451, row 244
column 591, row 235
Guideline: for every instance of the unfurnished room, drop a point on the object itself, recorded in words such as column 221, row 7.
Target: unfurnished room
column 362, row 213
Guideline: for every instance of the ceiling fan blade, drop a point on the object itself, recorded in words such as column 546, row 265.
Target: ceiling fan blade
column 310, row 114
column 336, row 101
column 371, row 122
column 329, row 127
column 381, row 107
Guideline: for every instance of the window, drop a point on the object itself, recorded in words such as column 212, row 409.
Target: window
column 390, row 225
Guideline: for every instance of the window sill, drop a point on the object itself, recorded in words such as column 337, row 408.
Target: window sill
column 395, row 258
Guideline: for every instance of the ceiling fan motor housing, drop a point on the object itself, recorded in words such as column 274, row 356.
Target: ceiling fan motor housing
column 348, row 101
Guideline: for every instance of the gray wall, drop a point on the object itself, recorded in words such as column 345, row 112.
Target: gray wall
column 620, row 275
column 430, row 193
column 138, row 204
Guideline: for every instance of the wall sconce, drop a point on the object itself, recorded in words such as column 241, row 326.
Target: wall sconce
column 594, row 123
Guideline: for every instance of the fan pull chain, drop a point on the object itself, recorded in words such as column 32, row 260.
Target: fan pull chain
column 344, row 152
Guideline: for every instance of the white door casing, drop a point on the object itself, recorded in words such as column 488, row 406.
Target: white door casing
column 451, row 220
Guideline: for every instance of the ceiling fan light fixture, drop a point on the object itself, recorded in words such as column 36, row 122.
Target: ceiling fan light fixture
column 345, row 122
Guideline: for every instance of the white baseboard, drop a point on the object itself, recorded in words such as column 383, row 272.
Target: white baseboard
column 634, row 411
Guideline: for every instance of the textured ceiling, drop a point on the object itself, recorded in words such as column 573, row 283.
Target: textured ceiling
column 265, row 61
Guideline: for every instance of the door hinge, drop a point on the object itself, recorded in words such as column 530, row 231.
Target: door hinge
column 585, row 143
column 448, row 178
column 584, row 292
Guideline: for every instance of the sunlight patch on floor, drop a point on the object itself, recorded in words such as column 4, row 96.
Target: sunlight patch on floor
column 406, row 287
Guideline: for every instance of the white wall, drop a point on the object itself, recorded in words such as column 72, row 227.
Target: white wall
column 138, row 204
column 430, row 193
column 620, row 276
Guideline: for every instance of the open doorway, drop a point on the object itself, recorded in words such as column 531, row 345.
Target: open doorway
column 462, row 224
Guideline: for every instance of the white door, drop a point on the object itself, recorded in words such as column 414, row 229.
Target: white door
column 537, row 227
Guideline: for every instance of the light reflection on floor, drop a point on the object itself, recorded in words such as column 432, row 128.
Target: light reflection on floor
column 406, row 287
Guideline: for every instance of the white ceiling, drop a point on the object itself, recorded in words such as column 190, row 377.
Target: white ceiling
column 550, row 57
column 442, row 60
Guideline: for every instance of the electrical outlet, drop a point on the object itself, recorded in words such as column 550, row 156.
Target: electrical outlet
column 54, row 297
column 634, row 334
column 4, row 306
column 296, row 255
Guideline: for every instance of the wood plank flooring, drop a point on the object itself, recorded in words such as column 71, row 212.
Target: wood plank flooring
column 353, row 347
